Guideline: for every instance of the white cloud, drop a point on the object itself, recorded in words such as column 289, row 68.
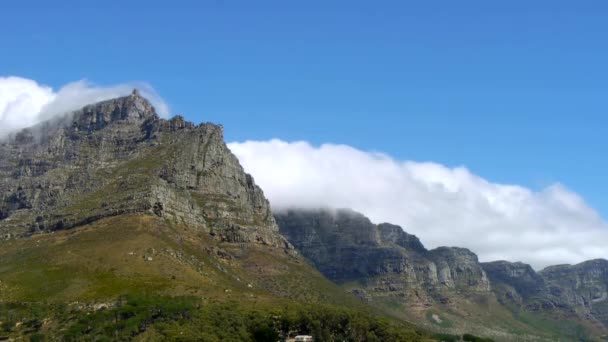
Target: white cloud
column 443, row 206
column 24, row 102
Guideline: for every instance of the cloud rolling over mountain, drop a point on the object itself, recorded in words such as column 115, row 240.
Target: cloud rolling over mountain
column 443, row 206
column 25, row 102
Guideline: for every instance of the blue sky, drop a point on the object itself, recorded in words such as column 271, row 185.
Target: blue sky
column 513, row 90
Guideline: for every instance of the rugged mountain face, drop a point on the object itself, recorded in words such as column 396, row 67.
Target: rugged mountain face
column 118, row 157
column 110, row 208
column 346, row 247
column 583, row 284
column 163, row 206
column 580, row 289
column 388, row 267
column 583, row 287
column 514, row 281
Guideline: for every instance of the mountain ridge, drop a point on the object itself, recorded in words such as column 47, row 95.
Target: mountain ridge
column 117, row 165
column 445, row 278
column 118, row 225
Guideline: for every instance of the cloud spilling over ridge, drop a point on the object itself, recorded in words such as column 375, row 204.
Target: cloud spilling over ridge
column 24, row 102
column 443, row 206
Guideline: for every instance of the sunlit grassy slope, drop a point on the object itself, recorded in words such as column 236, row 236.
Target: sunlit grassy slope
column 57, row 279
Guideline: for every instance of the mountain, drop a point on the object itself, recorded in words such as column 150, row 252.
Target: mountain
column 116, row 224
column 119, row 225
column 118, row 157
column 447, row 288
column 570, row 291
column 345, row 246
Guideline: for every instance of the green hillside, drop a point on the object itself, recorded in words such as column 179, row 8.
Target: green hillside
column 138, row 276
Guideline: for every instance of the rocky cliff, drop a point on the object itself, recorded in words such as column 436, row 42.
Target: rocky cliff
column 571, row 290
column 346, row 247
column 383, row 264
column 564, row 290
column 514, row 281
column 582, row 287
column 117, row 157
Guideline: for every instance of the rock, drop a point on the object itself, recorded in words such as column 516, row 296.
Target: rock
column 581, row 289
column 459, row 268
column 436, row 318
column 101, row 306
column 118, row 157
column 346, row 246
column 521, row 278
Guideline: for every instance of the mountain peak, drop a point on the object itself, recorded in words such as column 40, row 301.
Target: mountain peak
column 118, row 157
column 133, row 108
column 130, row 112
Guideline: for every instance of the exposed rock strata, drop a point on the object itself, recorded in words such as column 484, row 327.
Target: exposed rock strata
column 117, row 157
column 383, row 260
column 346, row 247
column 580, row 289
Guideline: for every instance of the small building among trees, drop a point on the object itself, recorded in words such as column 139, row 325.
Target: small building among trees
column 303, row 338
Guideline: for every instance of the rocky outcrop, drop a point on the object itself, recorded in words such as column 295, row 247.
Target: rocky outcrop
column 117, row 157
column 517, row 274
column 347, row 247
column 344, row 245
column 566, row 290
column 582, row 284
column 582, row 287
column 459, row 268
column 514, row 281
column 382, row 263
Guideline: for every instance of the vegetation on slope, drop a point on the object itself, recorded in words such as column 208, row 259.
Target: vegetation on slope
column 187, row 319
column 141, row 277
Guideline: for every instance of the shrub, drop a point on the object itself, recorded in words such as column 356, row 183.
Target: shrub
column 473, row 338
column 265, row 334
column 37, row 337
column 446, row 337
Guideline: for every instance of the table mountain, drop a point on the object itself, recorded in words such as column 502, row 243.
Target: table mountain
column 112, row 199
column 116, row 224
column 118, row 157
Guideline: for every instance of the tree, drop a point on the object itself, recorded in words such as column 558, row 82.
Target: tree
column 265, row 334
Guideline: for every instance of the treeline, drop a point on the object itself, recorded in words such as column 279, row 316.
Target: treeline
column 186, row 319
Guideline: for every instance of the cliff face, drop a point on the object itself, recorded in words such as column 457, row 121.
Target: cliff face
column 383, row 264
column 580, row 290
column 582, row 284
column 346, row 247
column 516, row 282
column 117, row 157
column 582, row 287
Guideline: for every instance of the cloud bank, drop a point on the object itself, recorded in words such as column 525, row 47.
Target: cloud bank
column 24, row 102
column 441, row 205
